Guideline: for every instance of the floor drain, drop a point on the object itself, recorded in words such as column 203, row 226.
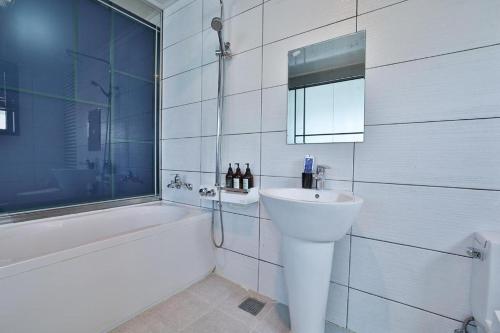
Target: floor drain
column 252, row 306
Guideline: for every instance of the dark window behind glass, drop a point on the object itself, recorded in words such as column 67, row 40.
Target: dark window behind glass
column 77, row 104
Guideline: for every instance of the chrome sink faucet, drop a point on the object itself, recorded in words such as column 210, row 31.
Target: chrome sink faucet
column 178, row 184
column 320, row 176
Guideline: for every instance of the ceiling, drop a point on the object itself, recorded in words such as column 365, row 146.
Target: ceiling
column 164, row 3
column 147, row 9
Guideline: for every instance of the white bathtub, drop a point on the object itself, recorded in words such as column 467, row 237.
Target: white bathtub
column 89, row 272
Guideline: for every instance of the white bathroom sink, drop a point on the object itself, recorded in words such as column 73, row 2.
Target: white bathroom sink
column 311, row 215
column 310, row 222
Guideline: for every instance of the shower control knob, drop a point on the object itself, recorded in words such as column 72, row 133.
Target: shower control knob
column 203, row 191
column 211, row 193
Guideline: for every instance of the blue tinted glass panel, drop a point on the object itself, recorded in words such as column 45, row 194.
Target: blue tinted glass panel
column 132, row 48
column 77, row 100
column 35, row 36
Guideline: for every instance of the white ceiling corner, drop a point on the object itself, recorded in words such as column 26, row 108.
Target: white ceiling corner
column 161, row 3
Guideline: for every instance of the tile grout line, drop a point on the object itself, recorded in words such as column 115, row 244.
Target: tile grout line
column 430, row 186
column 352, row 190
column 367, row 68
column 181, row 8
column 181, row 40
column 402, row 303
column 411, row 246
column 210, row 99
column 423, row 122
column 358, row 181
column 260, row 135
column 201, row 104
column 434, row 55
column 235, row 15
column 208, row 63
column 309, row 30
column 380, row 8
column 432, row 121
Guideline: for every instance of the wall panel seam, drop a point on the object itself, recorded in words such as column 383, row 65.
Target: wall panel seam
column 425, row 185
column 405, row 304
column 434, row 55
column 432, row 121
column 383, row 7
column 411, row 246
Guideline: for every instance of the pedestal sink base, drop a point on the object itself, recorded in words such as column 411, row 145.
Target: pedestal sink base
column 310, row 222
column 308, row 267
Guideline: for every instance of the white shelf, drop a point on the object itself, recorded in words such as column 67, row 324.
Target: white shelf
column 233, row 197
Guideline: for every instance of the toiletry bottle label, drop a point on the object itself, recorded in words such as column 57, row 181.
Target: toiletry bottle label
column 236, row 183
column 245, row 184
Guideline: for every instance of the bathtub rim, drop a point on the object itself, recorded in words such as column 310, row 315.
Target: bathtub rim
column 77, row 214
column 15, row 218
column 48, row 259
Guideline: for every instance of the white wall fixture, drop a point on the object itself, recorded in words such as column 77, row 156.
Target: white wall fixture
column 310, row 221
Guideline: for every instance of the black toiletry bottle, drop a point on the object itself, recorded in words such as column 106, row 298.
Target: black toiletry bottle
column 237, row 183
column 229, row 177
column 247, row 178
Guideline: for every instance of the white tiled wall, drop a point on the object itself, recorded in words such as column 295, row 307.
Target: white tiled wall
column 428, row 169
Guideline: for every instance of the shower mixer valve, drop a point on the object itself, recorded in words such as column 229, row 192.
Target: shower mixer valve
column 205, row 192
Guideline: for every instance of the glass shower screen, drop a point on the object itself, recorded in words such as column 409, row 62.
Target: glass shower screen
column 78, row 103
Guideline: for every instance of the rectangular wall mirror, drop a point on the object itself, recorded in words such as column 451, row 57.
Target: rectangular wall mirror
column 326, row 91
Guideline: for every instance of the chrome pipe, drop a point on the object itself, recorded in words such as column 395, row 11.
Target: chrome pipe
column 222, row 53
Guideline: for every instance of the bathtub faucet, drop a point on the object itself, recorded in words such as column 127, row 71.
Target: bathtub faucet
column 178, row 184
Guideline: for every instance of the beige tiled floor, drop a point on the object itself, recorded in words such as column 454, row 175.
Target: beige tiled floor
column 211, row 306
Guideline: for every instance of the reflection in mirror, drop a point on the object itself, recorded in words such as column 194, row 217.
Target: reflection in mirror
column 326, row 88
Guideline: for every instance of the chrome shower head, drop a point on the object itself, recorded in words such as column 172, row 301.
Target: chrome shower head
column 217, row 24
